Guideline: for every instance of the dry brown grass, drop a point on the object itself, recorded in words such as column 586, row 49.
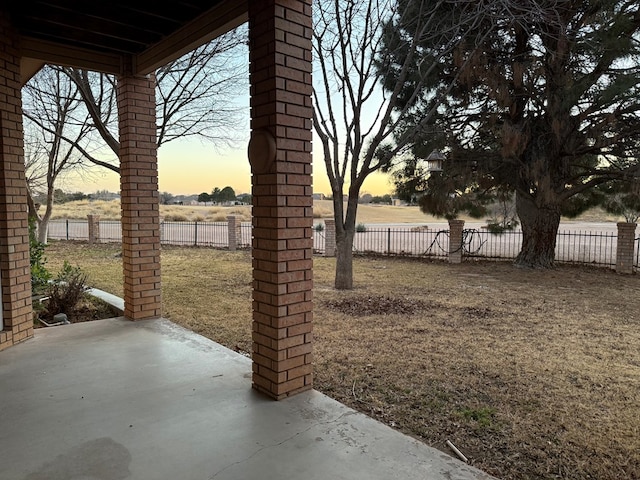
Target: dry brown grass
column 532, row 374
column 110, row 210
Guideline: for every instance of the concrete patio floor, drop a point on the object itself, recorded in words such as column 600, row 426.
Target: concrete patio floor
column 112, row 400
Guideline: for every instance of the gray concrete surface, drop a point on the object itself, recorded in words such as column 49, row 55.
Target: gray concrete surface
column 116, row 400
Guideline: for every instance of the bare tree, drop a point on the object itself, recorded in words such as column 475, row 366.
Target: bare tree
column 360, row 124
column 73, row 123
column 195, row 94
column 51, row 99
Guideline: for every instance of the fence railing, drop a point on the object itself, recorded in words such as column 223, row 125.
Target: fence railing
column 580, row 247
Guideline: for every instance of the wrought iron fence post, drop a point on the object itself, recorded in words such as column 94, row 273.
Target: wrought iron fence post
column 67, row 222
column 388, row 241
column 195, row 236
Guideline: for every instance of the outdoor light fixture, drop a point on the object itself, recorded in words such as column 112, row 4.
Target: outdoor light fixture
column 435, row 161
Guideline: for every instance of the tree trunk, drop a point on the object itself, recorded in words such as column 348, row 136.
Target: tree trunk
column 43, row 221
column 539, row 232
column 43, row 230
column 344, row 258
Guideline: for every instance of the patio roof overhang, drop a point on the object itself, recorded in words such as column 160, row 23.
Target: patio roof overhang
column 119, row 36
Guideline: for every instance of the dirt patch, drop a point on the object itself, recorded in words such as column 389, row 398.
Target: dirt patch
column 377, row 305
column 88, row 309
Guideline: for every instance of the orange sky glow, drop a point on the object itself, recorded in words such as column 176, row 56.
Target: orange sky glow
column 191, row 167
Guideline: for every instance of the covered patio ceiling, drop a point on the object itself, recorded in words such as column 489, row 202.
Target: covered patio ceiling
column 117, row 35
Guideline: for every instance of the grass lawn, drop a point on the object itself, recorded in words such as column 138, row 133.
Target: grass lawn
column 531, row 374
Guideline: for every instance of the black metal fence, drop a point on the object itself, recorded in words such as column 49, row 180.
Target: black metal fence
column 578, row 247
column 572, row 247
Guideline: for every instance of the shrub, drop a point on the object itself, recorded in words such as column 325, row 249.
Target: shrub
column 66, row 291
column 318, row 227
column 501, row 227
column 175, row 218
column 361, row 227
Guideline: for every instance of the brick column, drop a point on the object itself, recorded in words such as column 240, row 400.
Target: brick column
column 93, row 222
column 455, row 240
column 139, row 197
column 280, row 156
column 625, row 248
column 15, row 271
column 329, row 237
column 234, row 232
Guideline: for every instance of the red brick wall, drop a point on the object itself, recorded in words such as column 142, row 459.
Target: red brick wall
column 139, row 197
column 626, row 247
column 15, row 271
column 280, row 73
column 456, row 231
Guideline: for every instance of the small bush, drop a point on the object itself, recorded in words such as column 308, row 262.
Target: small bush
column 175, row 218
column 319, row 227
column 501, row 227
column 361, row 227
column 66, row 291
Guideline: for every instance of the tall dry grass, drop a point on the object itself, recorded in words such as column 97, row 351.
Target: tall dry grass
column 367, row 213
column 110, row 210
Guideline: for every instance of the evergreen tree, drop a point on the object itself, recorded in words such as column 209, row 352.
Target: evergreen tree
column 545, row 103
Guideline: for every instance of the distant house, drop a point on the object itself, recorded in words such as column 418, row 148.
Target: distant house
column 319, row 196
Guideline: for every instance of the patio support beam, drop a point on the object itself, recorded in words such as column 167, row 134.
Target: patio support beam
column 280, row 156
column 139, row 197
column 16, row 320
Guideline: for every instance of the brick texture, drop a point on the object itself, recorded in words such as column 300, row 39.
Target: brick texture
column 282, row 245
column 626, row 247
column 15, row 274
column 234, row 233
column 139, row 197
column 329, row 237
column 456, row 228
column 93, row 223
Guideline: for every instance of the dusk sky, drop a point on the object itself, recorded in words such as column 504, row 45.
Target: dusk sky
column 191, row 167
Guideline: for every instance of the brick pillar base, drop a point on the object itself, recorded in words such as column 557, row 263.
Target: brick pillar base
column 139, row 197
column 280, row 156
column 94, row 228
column 625, row 248
column 330, row 237
column 16, row 317
column 456, row 228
